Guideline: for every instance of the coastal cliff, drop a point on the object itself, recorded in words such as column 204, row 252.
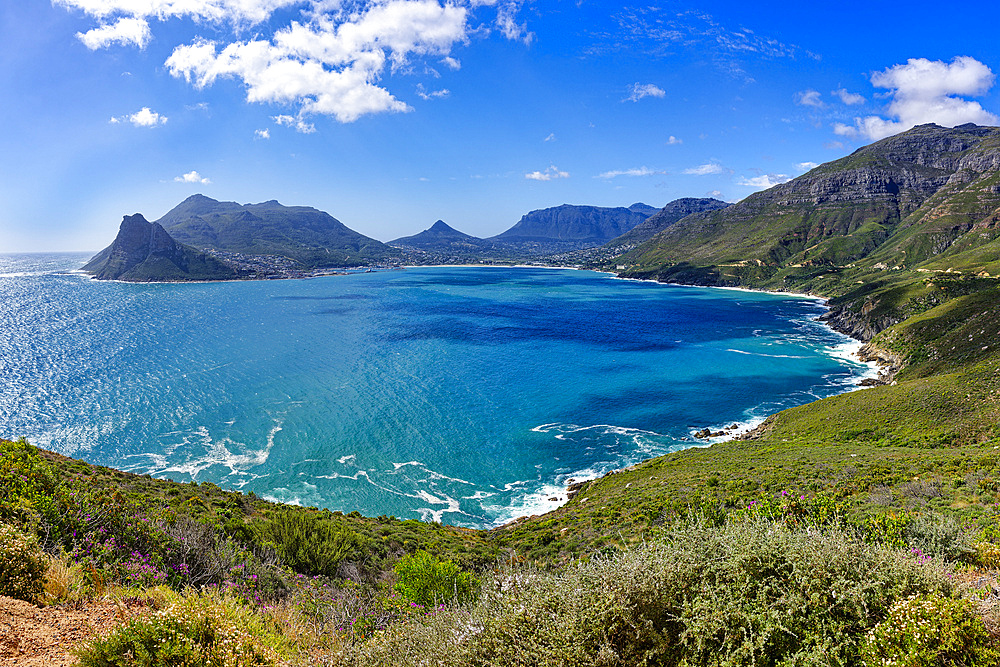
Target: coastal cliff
column 144, row 252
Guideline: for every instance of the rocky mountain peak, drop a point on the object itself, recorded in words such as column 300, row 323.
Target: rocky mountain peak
column 144, row 251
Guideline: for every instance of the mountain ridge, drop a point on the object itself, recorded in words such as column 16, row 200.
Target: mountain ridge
column 838, row 213
column 306, row 235
column 575, row 223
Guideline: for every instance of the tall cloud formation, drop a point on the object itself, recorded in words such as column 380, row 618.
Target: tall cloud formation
column 927, row 91
column 329, row 63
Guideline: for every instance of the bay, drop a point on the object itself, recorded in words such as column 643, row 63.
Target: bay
column 467, row 395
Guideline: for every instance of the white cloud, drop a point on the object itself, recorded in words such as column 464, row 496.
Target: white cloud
column 434, row 94
column 238, row 11
column 705, row 169
column 328, row 67
column 637, row 171
column 551, row 137
column 806, row 166
column 673, row 141
column 848, row 97
column 507, row 22
column 927, row 91
column 637, row 91
column 192, row 177
column 330, row 60
column 714, row 193
column 549, row 174
column 144, row 117
column 661, row 30
column 809, row 98
column 845, row 130
column 764, row 181
column 126, row 30
column 262, row 134
column 299, row 124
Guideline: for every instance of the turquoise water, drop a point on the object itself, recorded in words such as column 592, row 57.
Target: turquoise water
column 464, row 395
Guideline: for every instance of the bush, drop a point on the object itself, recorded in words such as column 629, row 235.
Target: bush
column 307, row 543
column 426, row 580
column 30, row 493
column 745, row 594
column 939, row 535
column 203, row 630
column 930, row 631
column 22, row 565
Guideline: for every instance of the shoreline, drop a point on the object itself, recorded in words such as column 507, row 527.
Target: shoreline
column 746, row 430
column 746, row 426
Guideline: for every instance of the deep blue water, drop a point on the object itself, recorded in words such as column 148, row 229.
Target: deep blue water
column 465, row 395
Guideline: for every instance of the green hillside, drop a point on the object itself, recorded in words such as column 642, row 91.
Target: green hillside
column 304, row 234
column 920, row 199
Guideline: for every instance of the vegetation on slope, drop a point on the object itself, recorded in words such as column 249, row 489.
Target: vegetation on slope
column 234, row 580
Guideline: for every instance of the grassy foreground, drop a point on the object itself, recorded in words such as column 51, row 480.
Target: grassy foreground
column 234, row 580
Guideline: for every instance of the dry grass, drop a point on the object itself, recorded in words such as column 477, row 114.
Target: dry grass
column 65, row 581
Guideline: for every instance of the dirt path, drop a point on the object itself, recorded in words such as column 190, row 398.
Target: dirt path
column 33, row 636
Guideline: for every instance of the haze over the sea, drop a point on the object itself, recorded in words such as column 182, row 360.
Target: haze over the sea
column 464, row 395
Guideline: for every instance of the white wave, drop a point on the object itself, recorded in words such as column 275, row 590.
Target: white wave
column 344, row 459
column 749, row 423
column 761, row 354
column 219, row 452
column 543, row 428
column 537, row 496
column 336, row 475
column 848, row 351
column 397, row 466
column 543, row 499
column 479, row 495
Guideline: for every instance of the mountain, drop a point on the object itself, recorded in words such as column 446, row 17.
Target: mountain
column 644, row 209
column 664, row 217
column 574, row 226
column 438, row 236
column 924, row 200
column 143, row 251
column 302, row 233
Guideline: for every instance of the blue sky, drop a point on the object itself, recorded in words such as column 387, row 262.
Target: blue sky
column 390, row 115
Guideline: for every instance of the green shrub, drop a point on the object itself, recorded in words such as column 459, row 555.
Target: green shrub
column 938, row 535
column 30, row 493
column 196, row 630
column 742, row 595
column 930, row 631
column 426, row 580
column 308, row 543
column 22, row 565
column 756, row 593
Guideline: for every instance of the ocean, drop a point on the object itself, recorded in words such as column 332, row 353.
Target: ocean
column 466, row 395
